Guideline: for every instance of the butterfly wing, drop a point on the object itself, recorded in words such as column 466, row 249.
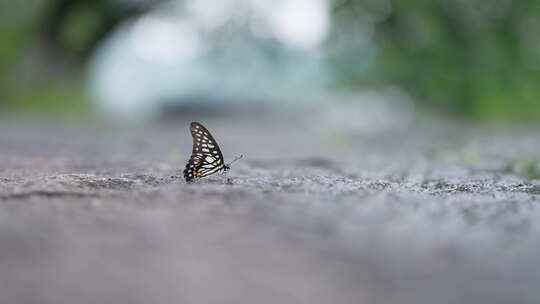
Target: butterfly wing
column 206, row 157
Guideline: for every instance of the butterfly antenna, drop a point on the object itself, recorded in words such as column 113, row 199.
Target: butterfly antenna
column 237, row 158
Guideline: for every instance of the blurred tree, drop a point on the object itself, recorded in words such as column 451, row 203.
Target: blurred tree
column 45, row 43
column 476, row 57
column 72, row 28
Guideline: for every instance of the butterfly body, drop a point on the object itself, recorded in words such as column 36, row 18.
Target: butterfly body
column 206, row 157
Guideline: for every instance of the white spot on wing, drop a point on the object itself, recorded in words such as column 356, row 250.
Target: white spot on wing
column 209, row 159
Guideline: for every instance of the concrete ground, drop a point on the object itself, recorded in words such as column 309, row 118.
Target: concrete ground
column 423, row 213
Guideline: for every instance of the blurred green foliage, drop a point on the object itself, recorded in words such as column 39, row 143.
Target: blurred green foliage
column 478, row 58
column 44, row 45
column 30, row 81
column 49, row 98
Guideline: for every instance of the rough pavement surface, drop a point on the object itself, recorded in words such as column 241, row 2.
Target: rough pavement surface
column 311, row 215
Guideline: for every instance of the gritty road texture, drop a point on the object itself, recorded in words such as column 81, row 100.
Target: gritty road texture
column 429, row 215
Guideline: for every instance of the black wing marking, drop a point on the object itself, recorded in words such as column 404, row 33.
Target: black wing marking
column 206, row 157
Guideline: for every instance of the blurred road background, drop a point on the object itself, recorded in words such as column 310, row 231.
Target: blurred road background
column 391, row 151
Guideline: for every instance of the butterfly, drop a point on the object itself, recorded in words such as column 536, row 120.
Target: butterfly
column 206, row 157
